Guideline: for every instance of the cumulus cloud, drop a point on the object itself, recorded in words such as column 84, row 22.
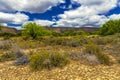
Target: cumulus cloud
column 100, row 6
column 33, row 6
column 114, row 16
column 41, row 22
column 44, row 22
column 88, row 13
column 17, row 18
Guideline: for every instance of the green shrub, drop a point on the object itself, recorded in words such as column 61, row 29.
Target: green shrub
column 81, row 32
column 70, row 32
column 6, row 35
column 95, row 50
column 103, row 58
column 92, row 49
column 46, row 60
column 36, row 60
column 55, row 41
column 103, row 40
column 56, row 34
column 59, row 60
column 65, row 41
column 111, row 27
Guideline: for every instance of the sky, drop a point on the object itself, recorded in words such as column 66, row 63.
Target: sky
column 59, row 13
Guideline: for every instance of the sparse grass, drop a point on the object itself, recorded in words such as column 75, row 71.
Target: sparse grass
column 7, row 56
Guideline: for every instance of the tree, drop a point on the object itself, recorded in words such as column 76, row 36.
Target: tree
column 33, row 30
column 111, row 27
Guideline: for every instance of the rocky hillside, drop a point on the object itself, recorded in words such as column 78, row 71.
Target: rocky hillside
column 63, row 29
column 9, row 30
column 56, row 29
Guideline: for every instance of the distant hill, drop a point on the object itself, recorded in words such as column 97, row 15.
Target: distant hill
column 56, row 29
column 63, row 29
column 9, row 30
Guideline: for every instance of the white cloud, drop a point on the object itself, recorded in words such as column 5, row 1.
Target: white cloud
column 33, row 6
column 17, row 18
column 100, row 6
column 88, row 13
column 114, row 16
column 41, row 22
column 44, row 22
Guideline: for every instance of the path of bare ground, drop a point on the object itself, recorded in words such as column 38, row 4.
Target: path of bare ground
column 73, row 71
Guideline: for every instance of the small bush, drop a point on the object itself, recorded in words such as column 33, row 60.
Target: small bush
column 103, row 58
column 59, row 60
column 36, row 60
column 81, row 32
column 17, row 51
column 5, row 45
column 95, row 50
column 45, row 60
column 56, row 34
column 92, row 49
column 101, row 41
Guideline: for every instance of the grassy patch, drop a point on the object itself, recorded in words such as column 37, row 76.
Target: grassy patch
column 95, row 50
column 7, row 56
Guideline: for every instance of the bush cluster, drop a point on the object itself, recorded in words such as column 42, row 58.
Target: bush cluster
column 64, row 41
column 48, row 60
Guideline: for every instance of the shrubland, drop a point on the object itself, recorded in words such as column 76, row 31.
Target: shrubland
column 40, row 48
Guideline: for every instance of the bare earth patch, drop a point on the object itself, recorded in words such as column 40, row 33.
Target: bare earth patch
column 73, row 71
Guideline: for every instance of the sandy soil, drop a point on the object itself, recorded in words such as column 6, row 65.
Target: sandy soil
column 73, row 71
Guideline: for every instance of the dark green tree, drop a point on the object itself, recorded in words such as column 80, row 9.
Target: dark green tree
column 111, row 27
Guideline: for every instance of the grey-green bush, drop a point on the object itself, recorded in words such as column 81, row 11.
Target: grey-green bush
column 47, row 60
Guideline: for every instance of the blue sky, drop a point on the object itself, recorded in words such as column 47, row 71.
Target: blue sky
column 68, row 13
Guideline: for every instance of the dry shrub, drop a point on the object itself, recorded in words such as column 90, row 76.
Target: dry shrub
column 47, row 60
column 5, row 45
column 93, row 49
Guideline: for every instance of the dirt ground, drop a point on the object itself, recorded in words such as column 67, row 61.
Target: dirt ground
column 74, row 71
